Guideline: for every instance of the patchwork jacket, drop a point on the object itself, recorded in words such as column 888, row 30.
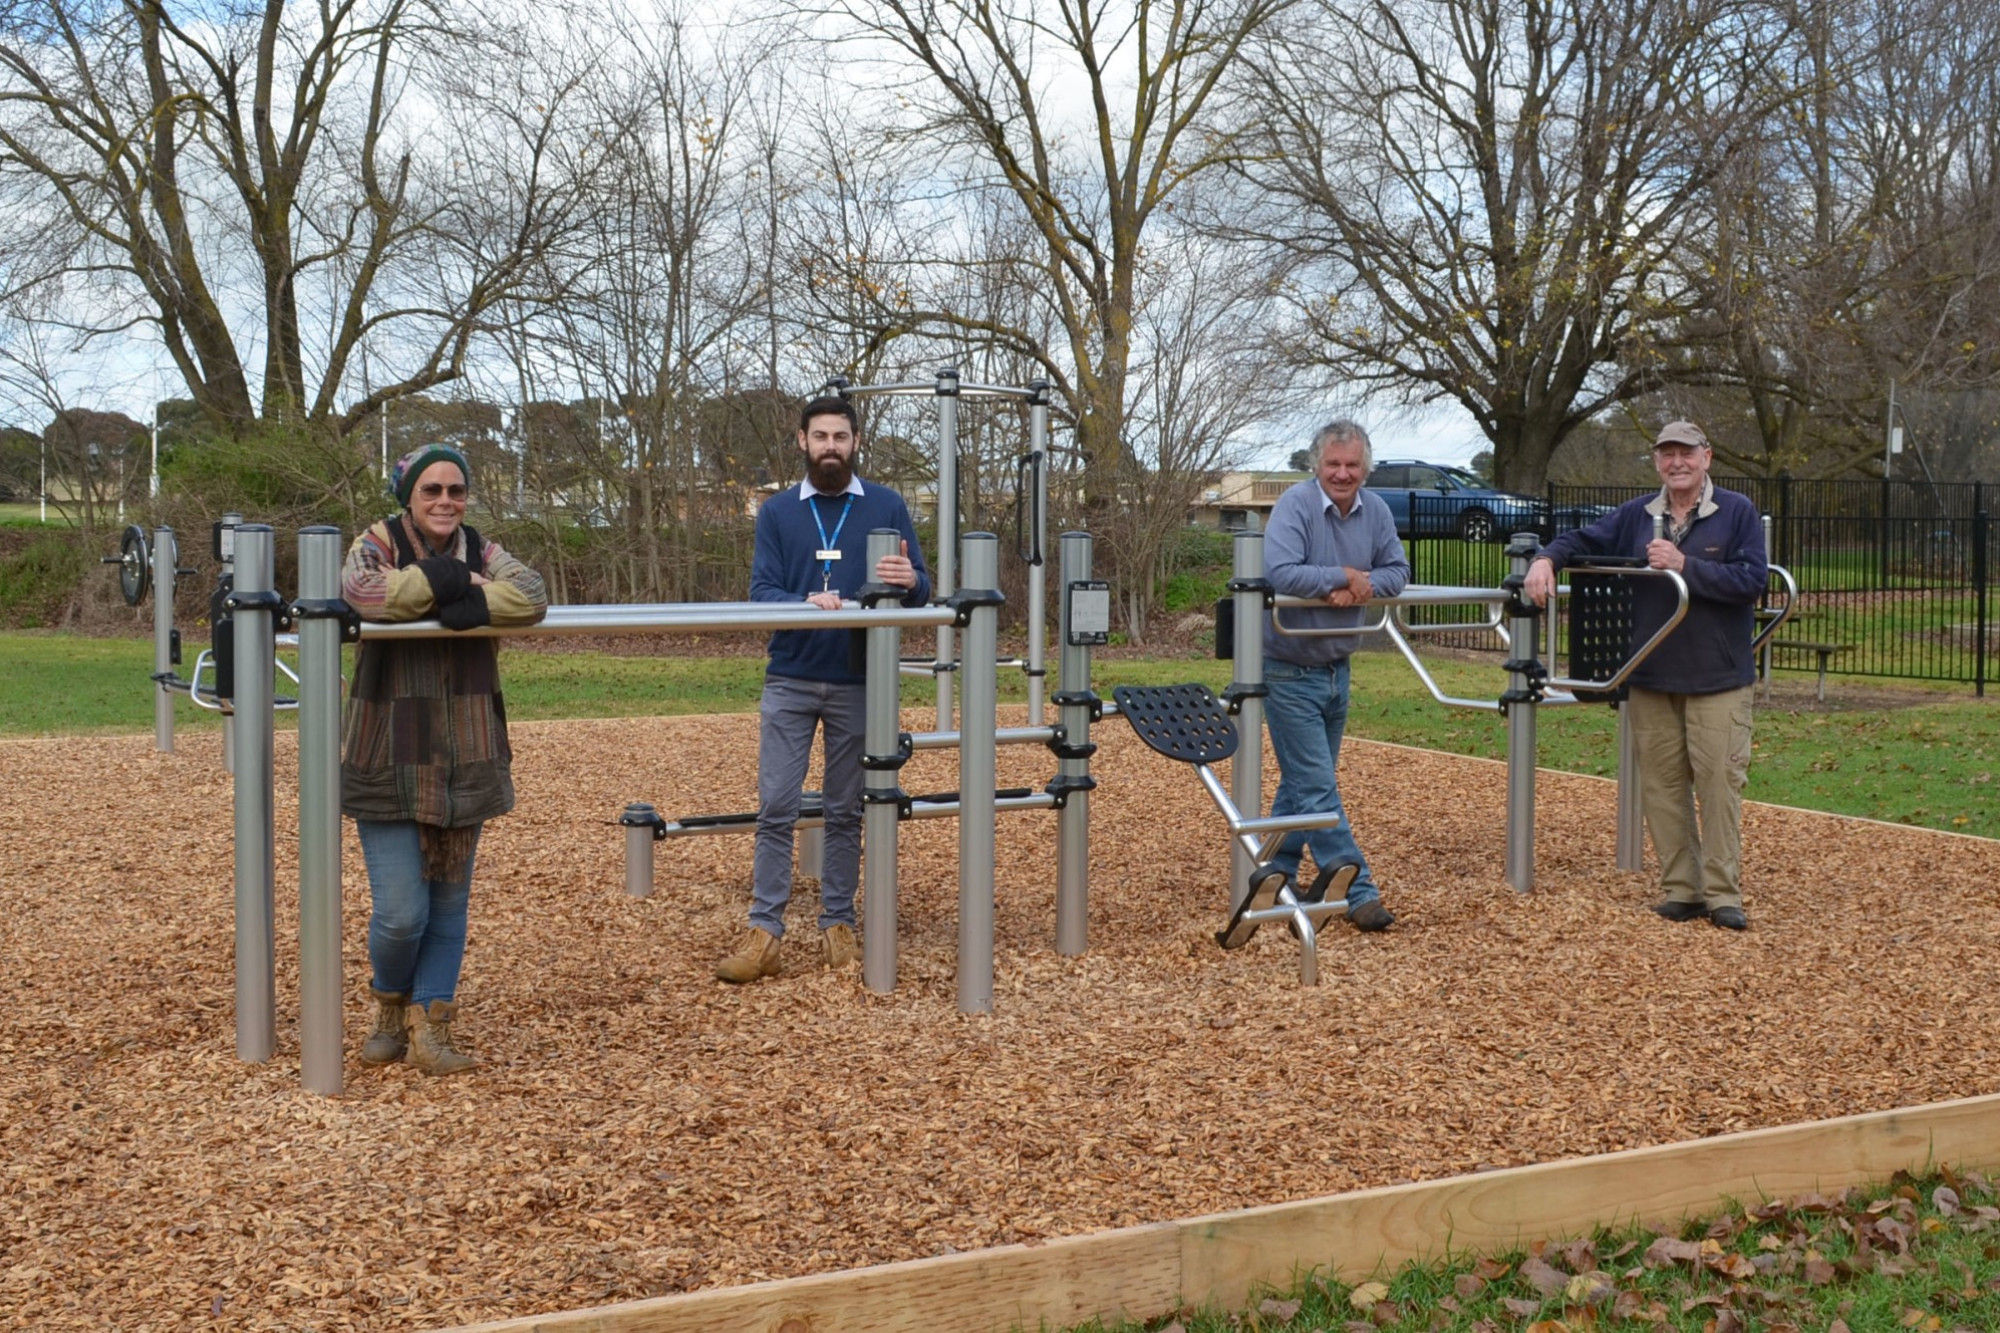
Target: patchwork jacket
column 425, row 737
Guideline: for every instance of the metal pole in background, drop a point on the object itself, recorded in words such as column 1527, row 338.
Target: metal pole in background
column 226, row 580
column 881, row 791
column 976, row 776
column 1631, row 823
column 1038, row 537
column 1631, row 817
column 947, row 535
column 251, row 606
column 639, row 819
column 1522, row 691
column 163, row 637
column 1246, row 768
column 319, row 811
column 1074, row 699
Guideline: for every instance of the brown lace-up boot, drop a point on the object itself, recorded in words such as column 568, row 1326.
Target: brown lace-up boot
column 756, row 957
column 391, row 1037
column 430, row 1039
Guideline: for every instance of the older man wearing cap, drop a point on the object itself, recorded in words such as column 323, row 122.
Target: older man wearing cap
column 1690, row 700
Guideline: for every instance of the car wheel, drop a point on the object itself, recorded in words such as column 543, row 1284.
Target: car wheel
column 1475, row 525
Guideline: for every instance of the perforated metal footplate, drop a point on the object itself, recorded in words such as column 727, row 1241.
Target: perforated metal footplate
column 1182, row 722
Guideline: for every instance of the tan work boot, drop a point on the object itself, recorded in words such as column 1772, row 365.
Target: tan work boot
column 391, row 1037
column 430, row 1039
column 755, row 957
column 842, row 949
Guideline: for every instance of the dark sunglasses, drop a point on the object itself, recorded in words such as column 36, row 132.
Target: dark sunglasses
column 431, row 490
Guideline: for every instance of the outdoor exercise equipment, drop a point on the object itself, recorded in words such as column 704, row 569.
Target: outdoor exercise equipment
column 1031, row 496
column 326, row 620
column 1186, row 723
column 148, row 566
column 1085, row 619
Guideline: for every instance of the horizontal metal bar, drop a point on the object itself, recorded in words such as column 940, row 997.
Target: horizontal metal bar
column 948, row 740
column 995, row 391
column 1284, row 823
column 911, row 389
column 676, row 617
column 949, row 809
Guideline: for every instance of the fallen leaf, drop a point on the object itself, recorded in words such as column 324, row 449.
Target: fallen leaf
column 1367, row 1295
column 1519, row 1308
column 1543, row 1278
column 1945, row 1200
column 1468, row 1286
column 1282, row 1311
column 1666, row 1251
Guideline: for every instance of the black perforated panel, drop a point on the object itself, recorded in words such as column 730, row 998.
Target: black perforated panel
column 1600, row 621
column 1182, row 722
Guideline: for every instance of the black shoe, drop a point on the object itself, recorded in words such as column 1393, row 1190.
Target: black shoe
column 1371, row 916
column 1729, row 918
column 1673, row 909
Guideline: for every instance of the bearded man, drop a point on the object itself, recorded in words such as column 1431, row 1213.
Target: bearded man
column 812, row 545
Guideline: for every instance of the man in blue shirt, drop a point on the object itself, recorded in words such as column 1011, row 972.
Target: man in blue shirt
column 812, row 546
column 1689, row 701
column 1332, row 541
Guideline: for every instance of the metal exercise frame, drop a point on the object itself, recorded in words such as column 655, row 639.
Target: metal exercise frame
column 1033, row 486
column 326, row 621
column 886, row 749
column 155, row 566
column 1527, row 678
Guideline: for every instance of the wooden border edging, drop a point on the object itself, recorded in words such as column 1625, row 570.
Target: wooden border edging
column 1142, row 1272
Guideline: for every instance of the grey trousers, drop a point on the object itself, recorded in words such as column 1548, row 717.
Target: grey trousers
column 789, row 713
column 1694, row 750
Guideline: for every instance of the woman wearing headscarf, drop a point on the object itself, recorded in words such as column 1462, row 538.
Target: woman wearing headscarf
column 426, row 761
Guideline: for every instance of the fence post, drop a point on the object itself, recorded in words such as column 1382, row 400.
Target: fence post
column 1982, row 525
column 1783, row 554
column 1882, row 536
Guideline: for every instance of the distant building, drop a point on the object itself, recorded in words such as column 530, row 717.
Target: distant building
column 1229, row 499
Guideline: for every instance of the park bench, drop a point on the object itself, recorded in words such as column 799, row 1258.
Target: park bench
column 1825, row 651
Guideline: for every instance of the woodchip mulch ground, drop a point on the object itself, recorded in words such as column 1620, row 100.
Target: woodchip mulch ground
column 639, row 1129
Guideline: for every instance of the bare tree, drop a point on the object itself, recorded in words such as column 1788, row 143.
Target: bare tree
column 1091, row 120
column 266, row 184
column 1852, row 244
column 1481, row 200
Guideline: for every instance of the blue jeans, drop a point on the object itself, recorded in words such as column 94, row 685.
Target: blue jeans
column 1306, row 712
column 788, row 715
column 416, row 934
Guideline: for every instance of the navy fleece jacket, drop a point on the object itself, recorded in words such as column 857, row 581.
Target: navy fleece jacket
column 786, row 567
column 1726, row 574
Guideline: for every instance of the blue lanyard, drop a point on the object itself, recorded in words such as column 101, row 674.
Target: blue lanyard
column 827, row 543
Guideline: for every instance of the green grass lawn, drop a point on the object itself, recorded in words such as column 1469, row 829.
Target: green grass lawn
column 1912, row 1254
column 1930, row 764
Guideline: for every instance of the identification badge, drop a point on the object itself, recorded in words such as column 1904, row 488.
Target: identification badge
column 827, row 555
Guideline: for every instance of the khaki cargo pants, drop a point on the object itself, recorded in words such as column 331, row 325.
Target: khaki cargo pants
column 1694, row 751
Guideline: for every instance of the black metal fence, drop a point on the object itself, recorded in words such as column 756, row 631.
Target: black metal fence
column 1895, row 577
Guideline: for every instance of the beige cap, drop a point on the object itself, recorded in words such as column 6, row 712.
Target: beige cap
column 1680, row 432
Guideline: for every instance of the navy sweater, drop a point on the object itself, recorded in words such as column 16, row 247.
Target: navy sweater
column 1726, row 574
column 785, row 568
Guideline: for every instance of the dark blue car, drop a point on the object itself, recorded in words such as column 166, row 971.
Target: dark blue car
column 1452, row 502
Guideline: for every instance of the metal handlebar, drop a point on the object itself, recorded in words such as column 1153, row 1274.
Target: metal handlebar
column 1645, row 649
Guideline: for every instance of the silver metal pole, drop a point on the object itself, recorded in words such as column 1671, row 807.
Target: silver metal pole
column 1038, row 537
column 1246, row 768
column 1631, row 834
column 319, row 810
column 638, row 819
column 976, row 777
column 1073, row 698
column 163, row 638
column 880, row 811
column 1521, row 551
column 947, row 535
column 250, row 606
